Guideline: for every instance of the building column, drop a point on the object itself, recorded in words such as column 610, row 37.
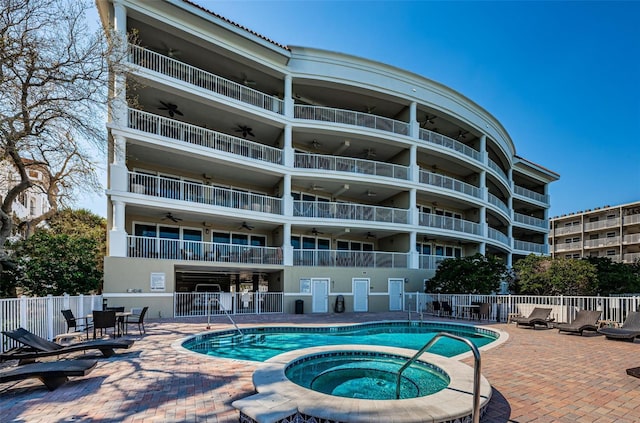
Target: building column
column 414, row 169
column 287, row 248
column 118, row 169
column 287, row 148
column 287, row 199
column 414, row 126
column 288, row 96
column 117, row 234
column 414, row 217
column 414, row 257
column 118, row 109
column 483, row 149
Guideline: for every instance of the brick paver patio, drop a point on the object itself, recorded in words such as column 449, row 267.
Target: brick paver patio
column 537, row 376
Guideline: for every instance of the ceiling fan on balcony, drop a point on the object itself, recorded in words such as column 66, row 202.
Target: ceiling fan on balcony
column 316, row 232
column 369, row 153
column 428, row 120
column 462, row 135
column 245, row 130
column 370, row 109
column 315, row 144
column 246, row 226
column 166, row 50
column 171, row 217
column 171, row 108
column 369, row 235
column 246, row 81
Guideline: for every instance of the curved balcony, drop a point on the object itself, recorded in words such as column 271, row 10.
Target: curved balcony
column 349, row 117
column 496, row 235
column 530, row 221
column 345, row 258
column 532, row 195
column 349, row 211
column 450, row 143
column 347, row 164
column 177, row 249
column 449, row 223
column 179, row 70
column 158, row 125
column 158, row 186
column 446, row 182
column 497, row 169
column 530, row 247
column 498, row 203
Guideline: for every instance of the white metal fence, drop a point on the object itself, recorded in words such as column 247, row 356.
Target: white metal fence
column 41, row 315
column 563, row 308
column 192, row 304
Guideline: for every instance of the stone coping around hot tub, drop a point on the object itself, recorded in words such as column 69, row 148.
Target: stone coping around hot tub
column 273, row 387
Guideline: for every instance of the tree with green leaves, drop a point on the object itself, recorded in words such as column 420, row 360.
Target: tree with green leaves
column 49, row 263
column 477, row 274
column 615, row 277
column 540, row 275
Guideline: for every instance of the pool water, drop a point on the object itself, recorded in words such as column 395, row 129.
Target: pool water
column 263, row 343
column 366, row 375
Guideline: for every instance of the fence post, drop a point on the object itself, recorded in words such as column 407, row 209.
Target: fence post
column 49, row 316
column 65, row 301
column 80, row 308
column 23, row 312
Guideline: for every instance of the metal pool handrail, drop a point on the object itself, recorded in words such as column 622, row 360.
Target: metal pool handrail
column 475, row 414
column 225, row 312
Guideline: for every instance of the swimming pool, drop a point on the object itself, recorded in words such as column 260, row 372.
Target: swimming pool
column 263, row 343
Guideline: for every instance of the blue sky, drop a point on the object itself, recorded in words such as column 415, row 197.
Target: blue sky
column 562, row 77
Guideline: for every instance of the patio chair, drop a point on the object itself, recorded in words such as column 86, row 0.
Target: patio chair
column 436, row 307
column 539, row 316
column 138, row 319
column 446, row 308
column 37, row 347
column 629, row 330
column 72, row 322
column 104, row 320
column 584, row 320
column 484, row 310
column 52, row 373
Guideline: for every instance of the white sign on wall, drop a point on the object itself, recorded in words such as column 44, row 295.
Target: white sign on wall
column 157, row 281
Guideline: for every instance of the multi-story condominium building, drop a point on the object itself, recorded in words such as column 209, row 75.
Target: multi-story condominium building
column 31, row 203
column 609, row 231
column 247, row 165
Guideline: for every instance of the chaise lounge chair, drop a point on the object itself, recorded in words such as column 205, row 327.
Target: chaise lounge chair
column 36, row 347
column 539, row 316
column 584, row 320
column 51, row 373
column 629, row 330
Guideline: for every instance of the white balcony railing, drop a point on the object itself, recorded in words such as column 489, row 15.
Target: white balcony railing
column 631, row 239
column 446, row 182
column 496, row 168
column 567, row 230
column 177, row 249
column 631, row 219
column 498, row 203
column 203, row 79
column 602, row 242
column 176, row 189
column 631, row 257
column 347, row 164
column 498, row 236
column 158, row 125
column 350, row 117
column 345, row 258
column 431, row 262
column 530, row 247
column 524, row 192
column 568, row 246
column 450, row 143
column 602, row 224
column 530, row 220
column 449, row 223
column 349, row 211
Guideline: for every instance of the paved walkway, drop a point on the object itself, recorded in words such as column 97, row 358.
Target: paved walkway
column 537, row 376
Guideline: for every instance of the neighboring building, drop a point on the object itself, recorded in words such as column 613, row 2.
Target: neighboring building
column 607, row 231
column 253, row 166
column 32, row 202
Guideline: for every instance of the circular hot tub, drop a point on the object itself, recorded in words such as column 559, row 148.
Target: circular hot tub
column 357, row 384
column 365, row 375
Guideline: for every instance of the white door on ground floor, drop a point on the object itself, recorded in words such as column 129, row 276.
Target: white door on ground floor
column 361, row 295
column 396, row 287
column 320, row 295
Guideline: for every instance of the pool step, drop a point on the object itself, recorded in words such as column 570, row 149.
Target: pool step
column 236, row 339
